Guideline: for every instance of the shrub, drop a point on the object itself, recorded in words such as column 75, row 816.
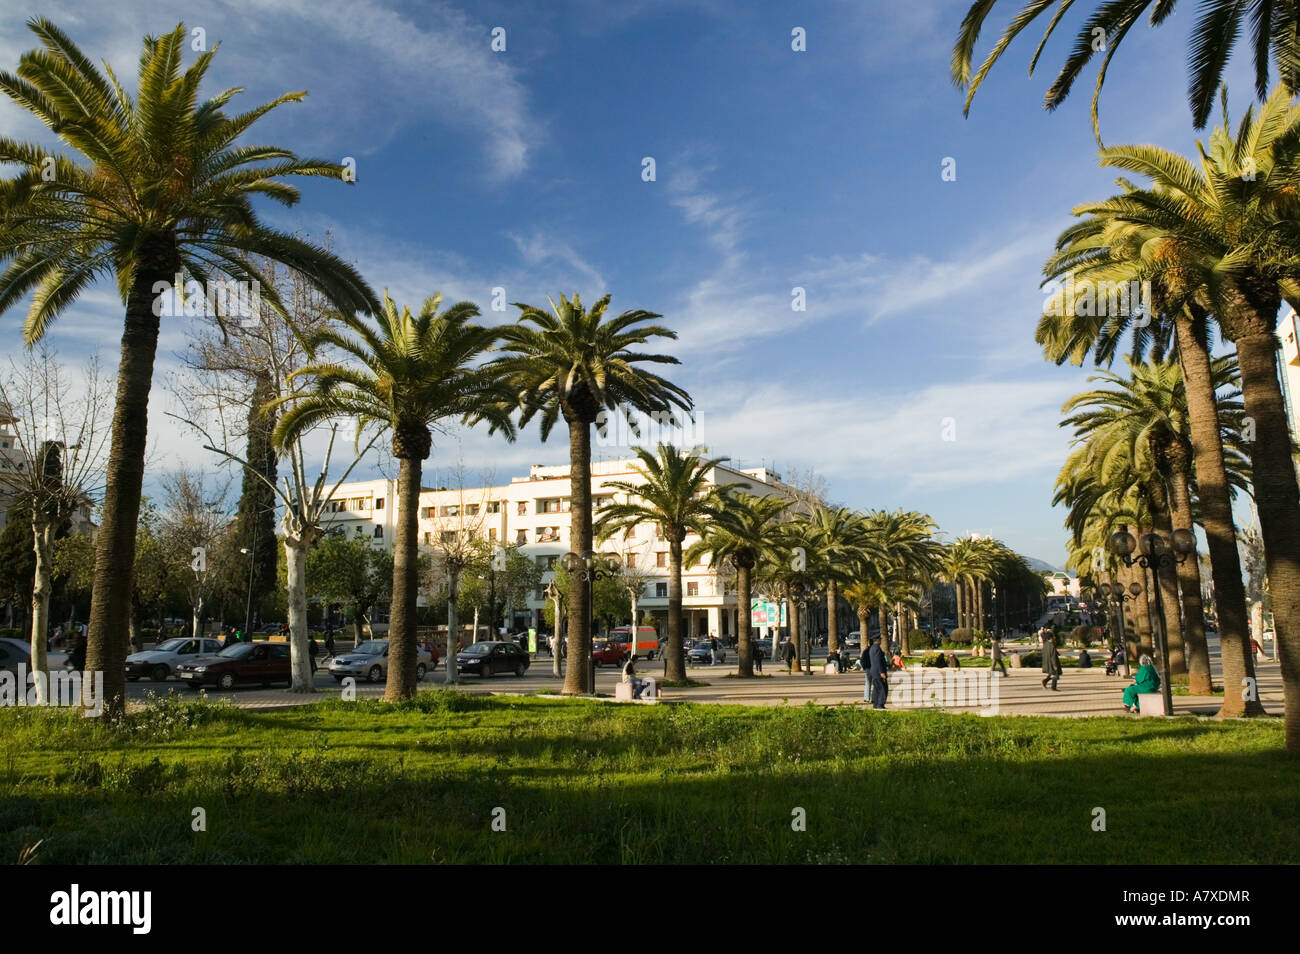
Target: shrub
column 1085, row 636
column 1031, row 660
column 934, row 660
column 962, row 635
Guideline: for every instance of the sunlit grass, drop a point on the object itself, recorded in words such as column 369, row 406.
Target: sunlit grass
column 584, row 781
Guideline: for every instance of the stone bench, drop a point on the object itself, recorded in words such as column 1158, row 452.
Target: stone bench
column 651, row 692
column 1151, row 704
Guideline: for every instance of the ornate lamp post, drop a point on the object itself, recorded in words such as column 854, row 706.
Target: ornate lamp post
column 590, row 567
column 1154, row 553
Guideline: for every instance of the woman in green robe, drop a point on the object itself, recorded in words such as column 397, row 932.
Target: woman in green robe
column 1145, row 680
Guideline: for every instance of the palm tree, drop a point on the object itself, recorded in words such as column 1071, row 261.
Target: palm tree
column 1273, row 31
column 1221, row 237
column 412, row 372
column 901, row 555
column 163, row 191
column 1148, row 411
column 674, row 497
column 837, row 538
column 741, row 529
column 577, row 364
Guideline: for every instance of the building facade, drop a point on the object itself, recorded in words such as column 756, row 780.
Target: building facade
column 533, row 512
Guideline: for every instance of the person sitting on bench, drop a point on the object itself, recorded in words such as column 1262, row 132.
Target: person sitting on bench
column 1145, row 680
column 630, row 676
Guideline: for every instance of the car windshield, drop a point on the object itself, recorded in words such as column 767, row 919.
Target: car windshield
column 478, row 649
column 238, row 651
column 171, row 645
column 372, row 648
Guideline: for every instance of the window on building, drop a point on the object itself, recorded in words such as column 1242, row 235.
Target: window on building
column 449, row 511
column 548, row 534
column 521, row 536
column 494, row 506
column 661, row 558
column 522, row 509
column 448, row 536
column 357, row 503
column 492, row 533
column 430, row 512
column 661, row 590
column 379, row 503
column 379, row 532
column 471, row 510
column 692, row 589
column 428, row 538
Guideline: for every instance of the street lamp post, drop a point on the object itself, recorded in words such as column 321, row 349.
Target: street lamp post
column 803, row 595
column 1155, row 553
column 590, row 567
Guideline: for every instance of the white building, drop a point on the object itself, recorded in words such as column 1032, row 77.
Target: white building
column 533, row 512
column 1288, row 332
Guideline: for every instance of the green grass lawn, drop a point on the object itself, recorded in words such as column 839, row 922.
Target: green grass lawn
column 583, row 781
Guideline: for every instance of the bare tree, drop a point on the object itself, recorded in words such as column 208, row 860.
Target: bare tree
column 58, row 464
column 193, row 520
column 268, row 348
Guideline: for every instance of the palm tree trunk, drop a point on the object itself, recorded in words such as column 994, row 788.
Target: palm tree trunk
column 792, row 618
column 1278, row 501
column 110, row 603
column 979, row 605
column 1199, row 682
column 744, row 648
column 676, row 669
column 960, row 590
column 1172, row 614
column 832, row 616
column 1215, row 496
column 401, row 620
column 882, row 616
column 864, row 621
column 579, row 622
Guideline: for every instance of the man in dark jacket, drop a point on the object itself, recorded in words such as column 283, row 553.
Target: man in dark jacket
column 877, row 674
column 1051, row 661
column 787, row 652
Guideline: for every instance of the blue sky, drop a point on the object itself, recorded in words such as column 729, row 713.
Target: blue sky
column 774, row 169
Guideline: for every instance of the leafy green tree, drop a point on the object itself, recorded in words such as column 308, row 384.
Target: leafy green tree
column 348, row 570
column 161, row 189
column 577, row 364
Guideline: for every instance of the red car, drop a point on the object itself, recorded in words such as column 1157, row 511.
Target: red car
column 607, row 653
column 263, row 663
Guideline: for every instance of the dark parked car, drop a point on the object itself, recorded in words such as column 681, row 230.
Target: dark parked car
column 262, row 663
column 488, row 658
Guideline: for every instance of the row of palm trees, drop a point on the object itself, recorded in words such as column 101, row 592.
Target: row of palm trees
column 1218, row 238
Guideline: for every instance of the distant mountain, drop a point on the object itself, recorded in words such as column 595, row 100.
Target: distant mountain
column 1042, row 566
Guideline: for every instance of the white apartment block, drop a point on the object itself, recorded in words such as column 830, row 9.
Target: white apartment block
column 1288, row 332
column 533, row 512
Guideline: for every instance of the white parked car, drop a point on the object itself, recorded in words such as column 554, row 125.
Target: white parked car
column 161, row 661
column 15, row 651
column 369, row 661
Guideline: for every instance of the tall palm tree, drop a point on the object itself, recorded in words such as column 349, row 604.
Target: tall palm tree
column 1148, row 411
column 838, row 538
column 673, row 496
column 160, row 189
column 741, row 529
column 411, row 372
column 1275, row 31
column 1222, row 236
column 901, row 555
column 580, row 365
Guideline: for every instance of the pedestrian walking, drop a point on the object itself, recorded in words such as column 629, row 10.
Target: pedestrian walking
column 313, row 649
column 1051, row 661
column 998, row 664
column 758, row 659
column 787, row 652
column 77, row 658
column 329, row 642
column 877, row 674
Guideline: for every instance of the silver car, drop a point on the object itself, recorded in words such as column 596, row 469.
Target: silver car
column 369, row 661
column 161, row 661
column 15, row 651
